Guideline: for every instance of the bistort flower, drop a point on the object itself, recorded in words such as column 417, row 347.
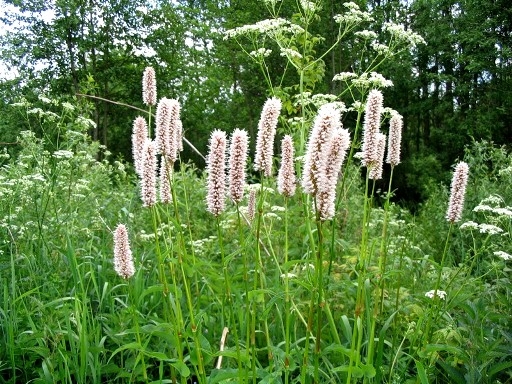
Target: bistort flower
column 149, row 86
column 123, row 260
column 266, row 134
column 457, row 193
column 216, row 173
column 237, row 159
column 286, row 176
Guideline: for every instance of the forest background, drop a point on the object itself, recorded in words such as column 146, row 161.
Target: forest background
column 454, row 89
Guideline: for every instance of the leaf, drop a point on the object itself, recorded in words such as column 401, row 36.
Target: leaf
column 422, row 374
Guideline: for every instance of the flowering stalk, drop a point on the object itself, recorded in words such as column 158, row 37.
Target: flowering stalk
column 123, row 260
column 216, row 173
column 286, row 176
column 148, row 180
column 237, row 160
column 371, row 128
column 139, row 137
column 149, row 89
column 266, row 133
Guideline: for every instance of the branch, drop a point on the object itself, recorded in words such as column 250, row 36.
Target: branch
column 140, row 110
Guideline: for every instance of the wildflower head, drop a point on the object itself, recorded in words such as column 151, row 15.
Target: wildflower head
column 216, row 173
column 325, row 198
column 371, row 128
column 266, row 133
column 149, row 86
column 457, row 193
column 148, row 174
column 251, row 205
column 327, row 121
column 139, row 136
column 376, row 168
column 165, row 180
column 395, row 138
column 123, row 260
column 286, row 175
column 237, row 159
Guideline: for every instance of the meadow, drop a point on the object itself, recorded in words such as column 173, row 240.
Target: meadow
column 286, row 259
column 210, row 289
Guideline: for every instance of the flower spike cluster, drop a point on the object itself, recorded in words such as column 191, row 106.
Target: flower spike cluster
column 216, row 173
column 123, row 260
column 148, row 176
column 266, row 134
column 237, row 159
column 139, row 137
column 458, row 192
column 395, row 139
column 149, row 86
column 325, row 153
column 286, row 176
column 371, row 128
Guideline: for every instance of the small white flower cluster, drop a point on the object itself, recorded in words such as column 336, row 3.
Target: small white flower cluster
column 366, row 34
column 62, row 154
column 372, row 80
column 261, row 52
column 431, row 294
column 353, row 15
column 503, row 255
column 399, row 33
column 291, row 53
column 381, row 49
column 308, row 6
column 344, row 76
column 267, row 26
column 482, row 228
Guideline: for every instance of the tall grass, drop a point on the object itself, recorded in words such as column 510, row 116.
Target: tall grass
column 330, row 283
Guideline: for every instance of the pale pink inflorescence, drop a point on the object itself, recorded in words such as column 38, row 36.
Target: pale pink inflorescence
column 216, row 173
column 148, row 176
column 377, row 167
column 237, row 160
column 326, row 122
column 163, row 122
column 266, row 134
column 167, row 128
column 123, row 259
column 139, row 136
column 337, row 150
column 286, row 177
column 165, row 180
column 395, row 139
column 149, row 86
column 251, row 205
column 371, row 128
column 458, row 191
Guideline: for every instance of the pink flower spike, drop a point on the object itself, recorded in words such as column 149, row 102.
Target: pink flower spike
column 149, row 165
column 149, row 86
column 216, row 173
column 139, row 136
column 286, row 176
column 123, row 260
column 395, row 139
column 266, row 134
column 165, row 180
column 237, row 160
column 458, row 192
column 326, row 196
column 327, row 121
column 376, row 167
column 371, row 128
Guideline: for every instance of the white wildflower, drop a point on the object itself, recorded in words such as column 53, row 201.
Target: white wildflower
column 344, row 76
column 431, row 294
column 469, row 225
column 291, row 53
column 489, row 229
column 503, row 255
column 261, row 52
column 62, row 154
